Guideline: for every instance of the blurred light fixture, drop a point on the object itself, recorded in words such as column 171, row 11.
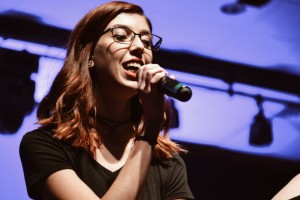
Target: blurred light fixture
column 261, row 127
column 233, row 8
column 240, row 6
column 16, row 88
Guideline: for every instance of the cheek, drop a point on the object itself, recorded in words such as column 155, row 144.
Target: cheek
column 102, row 54
column 100, row 60
column 99, row 51
column 103, row 46
column 149, row 57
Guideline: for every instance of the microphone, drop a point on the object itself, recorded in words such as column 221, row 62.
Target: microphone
column 175, row 89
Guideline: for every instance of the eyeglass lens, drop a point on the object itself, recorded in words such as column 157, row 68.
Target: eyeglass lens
column 123, row 35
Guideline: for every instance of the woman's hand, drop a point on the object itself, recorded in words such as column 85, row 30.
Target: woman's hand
column 151, row 98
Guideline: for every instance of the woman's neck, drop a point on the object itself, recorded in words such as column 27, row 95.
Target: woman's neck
column 113, row 118
column 116, row 110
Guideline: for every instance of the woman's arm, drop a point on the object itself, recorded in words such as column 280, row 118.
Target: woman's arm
column 65, row 184
column 133, row 173
column 292, row 189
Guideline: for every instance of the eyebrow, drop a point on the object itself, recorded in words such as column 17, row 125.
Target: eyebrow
column 144, row 31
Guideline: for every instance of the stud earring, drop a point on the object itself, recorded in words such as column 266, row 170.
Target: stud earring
column 90, row 63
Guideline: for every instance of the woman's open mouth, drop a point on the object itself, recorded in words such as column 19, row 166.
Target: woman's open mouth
column 131, row 69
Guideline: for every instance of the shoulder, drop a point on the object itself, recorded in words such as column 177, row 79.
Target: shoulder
column 178, row 159
column 42, row 136
column 168, row 166
column 40, row 142
column 37, row 134
column 174, row 161
column 173, row 178
column 42, row 155
column 37, row 138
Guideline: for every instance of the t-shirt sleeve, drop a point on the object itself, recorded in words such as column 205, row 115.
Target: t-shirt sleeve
column 177, row 186
column 41, row 155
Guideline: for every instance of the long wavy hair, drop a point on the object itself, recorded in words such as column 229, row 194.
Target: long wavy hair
column 69, row 107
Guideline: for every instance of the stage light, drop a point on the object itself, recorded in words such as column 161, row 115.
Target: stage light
column 261, row 129
column 233, row 8
column 16, row 88
column 240, row 6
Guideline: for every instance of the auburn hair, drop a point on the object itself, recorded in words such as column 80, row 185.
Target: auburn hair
column 69, row 107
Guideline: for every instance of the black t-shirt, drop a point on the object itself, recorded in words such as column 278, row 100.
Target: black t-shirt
column 42, row 155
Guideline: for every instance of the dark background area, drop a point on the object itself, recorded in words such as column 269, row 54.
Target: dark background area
column 216, row 173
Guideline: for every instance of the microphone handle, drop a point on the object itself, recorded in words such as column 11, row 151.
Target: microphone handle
column 175, row 89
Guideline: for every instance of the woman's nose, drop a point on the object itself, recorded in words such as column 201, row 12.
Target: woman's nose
column 137, row 44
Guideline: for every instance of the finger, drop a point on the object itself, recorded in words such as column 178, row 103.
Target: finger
column 149, row 75
column 172, row 76
column 157, row 77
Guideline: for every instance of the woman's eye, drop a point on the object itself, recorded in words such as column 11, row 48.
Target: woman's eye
column 120, row 37
column 147, row 43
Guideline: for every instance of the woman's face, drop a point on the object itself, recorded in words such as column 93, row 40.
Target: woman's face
column 116, row 63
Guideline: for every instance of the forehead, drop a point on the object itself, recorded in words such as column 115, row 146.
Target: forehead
column 134, row 21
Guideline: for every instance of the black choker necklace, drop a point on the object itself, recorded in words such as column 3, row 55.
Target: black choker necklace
column 111, row 124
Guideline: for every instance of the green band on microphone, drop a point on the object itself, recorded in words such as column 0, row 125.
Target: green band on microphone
column 178, row 86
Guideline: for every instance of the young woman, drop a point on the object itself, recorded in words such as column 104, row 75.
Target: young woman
column 104, row 123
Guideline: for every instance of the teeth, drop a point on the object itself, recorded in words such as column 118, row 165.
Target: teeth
column 134, row 64
column 132, row 67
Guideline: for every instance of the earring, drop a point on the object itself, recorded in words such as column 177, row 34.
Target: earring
column 90, row 63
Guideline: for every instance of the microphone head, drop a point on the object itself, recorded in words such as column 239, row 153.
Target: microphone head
column 184, row 94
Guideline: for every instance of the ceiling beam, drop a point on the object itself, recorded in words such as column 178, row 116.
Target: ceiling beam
column 22, row 28
column 231, row 72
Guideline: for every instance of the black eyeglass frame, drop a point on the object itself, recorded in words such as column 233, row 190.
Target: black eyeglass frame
column 153, row 47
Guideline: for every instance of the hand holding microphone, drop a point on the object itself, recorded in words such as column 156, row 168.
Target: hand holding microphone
column 174, row 88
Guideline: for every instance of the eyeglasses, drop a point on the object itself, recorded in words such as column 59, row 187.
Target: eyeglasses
column 126, row 36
